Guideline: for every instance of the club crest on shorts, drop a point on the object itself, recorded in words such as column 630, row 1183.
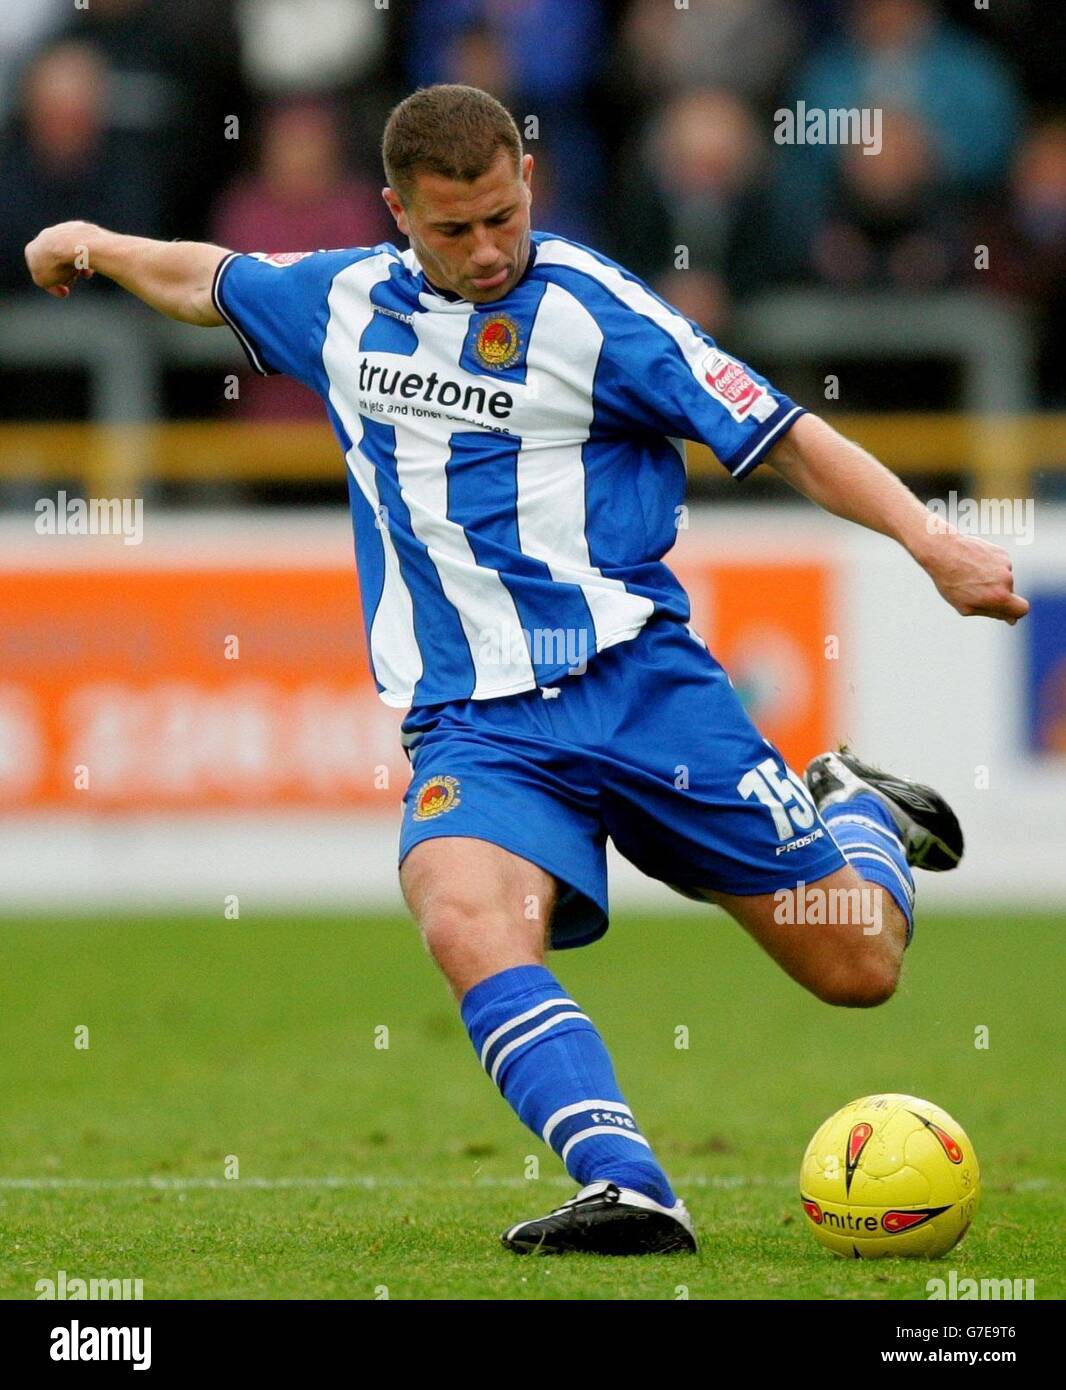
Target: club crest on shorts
column 498, row 343
column 436, row 796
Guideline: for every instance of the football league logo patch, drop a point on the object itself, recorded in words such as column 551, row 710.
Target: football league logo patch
column 730, row 384
column 436, row 796
column 498, row 343
column 283, row 258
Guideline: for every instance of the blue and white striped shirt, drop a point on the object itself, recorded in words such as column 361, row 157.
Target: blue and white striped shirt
column 516, row 470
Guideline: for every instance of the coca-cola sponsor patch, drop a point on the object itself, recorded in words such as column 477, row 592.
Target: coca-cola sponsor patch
column 283, row 258
column 730, row 382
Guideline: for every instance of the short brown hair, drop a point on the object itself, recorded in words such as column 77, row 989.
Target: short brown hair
column 446, row 129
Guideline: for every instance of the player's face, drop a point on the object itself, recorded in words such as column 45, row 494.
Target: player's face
column 471, row 238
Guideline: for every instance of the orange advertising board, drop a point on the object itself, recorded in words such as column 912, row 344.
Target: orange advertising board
column 206, row 687
column 775, row 629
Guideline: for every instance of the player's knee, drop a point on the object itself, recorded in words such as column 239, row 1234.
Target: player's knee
column 453, row 919
column 863, row 983
column 460, row 929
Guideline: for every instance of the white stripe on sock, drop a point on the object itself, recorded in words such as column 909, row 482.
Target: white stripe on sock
column 868, row 824
column 876, row 855
column 601, row 1129
column 519, row 1018
column 533, row 1032
column 568, row 1110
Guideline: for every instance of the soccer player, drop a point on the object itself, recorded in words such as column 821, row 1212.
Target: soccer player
column 511, row 407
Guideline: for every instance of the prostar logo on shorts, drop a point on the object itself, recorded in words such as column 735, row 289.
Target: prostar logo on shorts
column 730, row 383
column 436, row 796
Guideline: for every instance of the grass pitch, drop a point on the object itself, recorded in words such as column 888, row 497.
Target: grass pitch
column 368, row 1171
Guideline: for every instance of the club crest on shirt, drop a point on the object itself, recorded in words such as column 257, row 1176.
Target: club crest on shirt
column 498, row 343
column 436, row 796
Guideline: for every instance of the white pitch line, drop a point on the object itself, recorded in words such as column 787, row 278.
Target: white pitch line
column 369, row 1182
column 366, row 1181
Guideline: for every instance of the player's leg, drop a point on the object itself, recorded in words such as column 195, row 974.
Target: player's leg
column 841, row 937
column 819, row 874
column 884, row 826
column 485, row 915
column 480, row 909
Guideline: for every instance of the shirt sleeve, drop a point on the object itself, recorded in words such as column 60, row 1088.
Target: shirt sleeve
column 278, row 306
column 660, row 372
column 682, row 383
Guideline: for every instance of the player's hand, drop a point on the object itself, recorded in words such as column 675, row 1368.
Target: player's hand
column 58, row 257
column 974, row 576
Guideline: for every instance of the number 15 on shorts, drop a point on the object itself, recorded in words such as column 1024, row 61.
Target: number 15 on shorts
column 786, row 798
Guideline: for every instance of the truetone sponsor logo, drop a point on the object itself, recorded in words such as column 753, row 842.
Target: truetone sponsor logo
column 416, row 389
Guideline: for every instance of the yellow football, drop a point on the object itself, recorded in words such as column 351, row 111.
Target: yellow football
column 890, row 1175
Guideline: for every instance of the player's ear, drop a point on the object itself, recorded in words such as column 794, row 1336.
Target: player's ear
column 392, row 202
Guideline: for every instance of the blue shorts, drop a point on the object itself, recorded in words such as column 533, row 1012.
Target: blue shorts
column 649, row 746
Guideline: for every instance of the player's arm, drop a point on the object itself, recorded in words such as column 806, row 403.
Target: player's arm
column 174, row 277
column 971, row 574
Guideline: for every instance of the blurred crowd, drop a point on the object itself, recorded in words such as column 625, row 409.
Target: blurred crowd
column 257, row 123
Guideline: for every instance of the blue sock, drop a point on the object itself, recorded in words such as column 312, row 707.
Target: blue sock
column 869, row 840
column 553, row 1069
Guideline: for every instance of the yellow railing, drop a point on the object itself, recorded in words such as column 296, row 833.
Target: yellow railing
column 998, row 454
